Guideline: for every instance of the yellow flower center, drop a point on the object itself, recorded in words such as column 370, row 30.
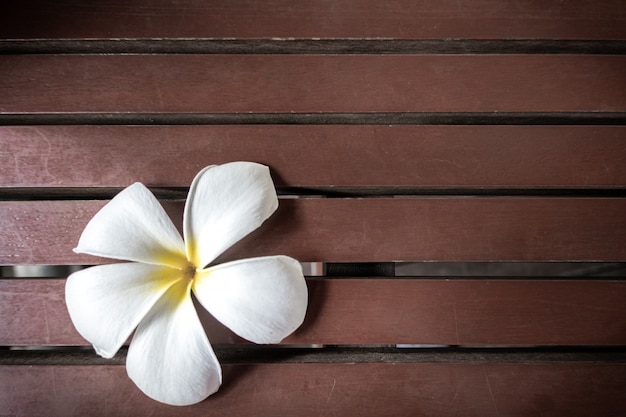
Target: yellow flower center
column 189, row 272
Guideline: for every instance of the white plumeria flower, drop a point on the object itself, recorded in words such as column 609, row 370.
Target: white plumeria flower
column 170, row 358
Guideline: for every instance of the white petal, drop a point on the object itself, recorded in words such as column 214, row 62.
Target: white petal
column 107, row 302
column 261, row 299
column 133, row 226
column 170, row 358
column 225, row 203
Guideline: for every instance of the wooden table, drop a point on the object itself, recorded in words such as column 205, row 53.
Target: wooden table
column 448, row 132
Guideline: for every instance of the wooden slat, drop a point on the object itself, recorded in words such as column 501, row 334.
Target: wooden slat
column 364, row 389
column 297, row 83
column 351, row 156
column 382, row 311
column 363, row 230
column 577, row 19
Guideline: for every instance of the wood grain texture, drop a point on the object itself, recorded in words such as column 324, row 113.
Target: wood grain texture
column 299, row 83
column 331, row 389
column 317, row 156
column 382, row 311
column 363, row 230
column 404, row 19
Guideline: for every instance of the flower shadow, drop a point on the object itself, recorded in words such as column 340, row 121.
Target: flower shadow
column 312, row 329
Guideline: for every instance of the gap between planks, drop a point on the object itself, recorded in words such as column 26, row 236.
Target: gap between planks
column 335, row 354
column 567, row 118
column 312, row 46
column 398, row 270
column 180, row 193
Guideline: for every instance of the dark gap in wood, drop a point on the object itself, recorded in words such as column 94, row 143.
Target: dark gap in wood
column 364, row 269
column 106, row 193
column 512, row 270
column 400, row 270
column 64, row 356
column 390, row 354
column 408, row 192
column 384, row 118
column 80, row 193
column 312, row 46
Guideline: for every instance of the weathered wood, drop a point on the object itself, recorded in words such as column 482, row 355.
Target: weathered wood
column 407, row 19
column 318, row 156
column 363, row 230
column 298, row 83
column 553, row 84
column 367, row 389
column 382, row 311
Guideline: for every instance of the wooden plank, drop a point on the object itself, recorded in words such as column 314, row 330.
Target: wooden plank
column 352, row 156
column 301, row 83
column 363, row 230
column 577, row 19
column 365, row 389
column 382, row 311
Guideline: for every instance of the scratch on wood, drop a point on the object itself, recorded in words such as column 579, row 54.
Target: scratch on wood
column 43, row 156
column 449, row 162
column 493, row 398
column 45, row 320
column 456, row 321
column 456, row 393
column 330, row 394
column 54, row 383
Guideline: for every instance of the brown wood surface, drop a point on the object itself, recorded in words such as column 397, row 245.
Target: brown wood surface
column 467, row 312
column 299, row 83
column 382, row 311
column 317, row 156
column 363, row 230
column 578, row 19
column 364, row 389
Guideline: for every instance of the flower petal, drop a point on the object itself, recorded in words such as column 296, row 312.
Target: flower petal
column 170, row 358
column 225, row 203
column 133, row 226
column 261, row 299
column 107, row 302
